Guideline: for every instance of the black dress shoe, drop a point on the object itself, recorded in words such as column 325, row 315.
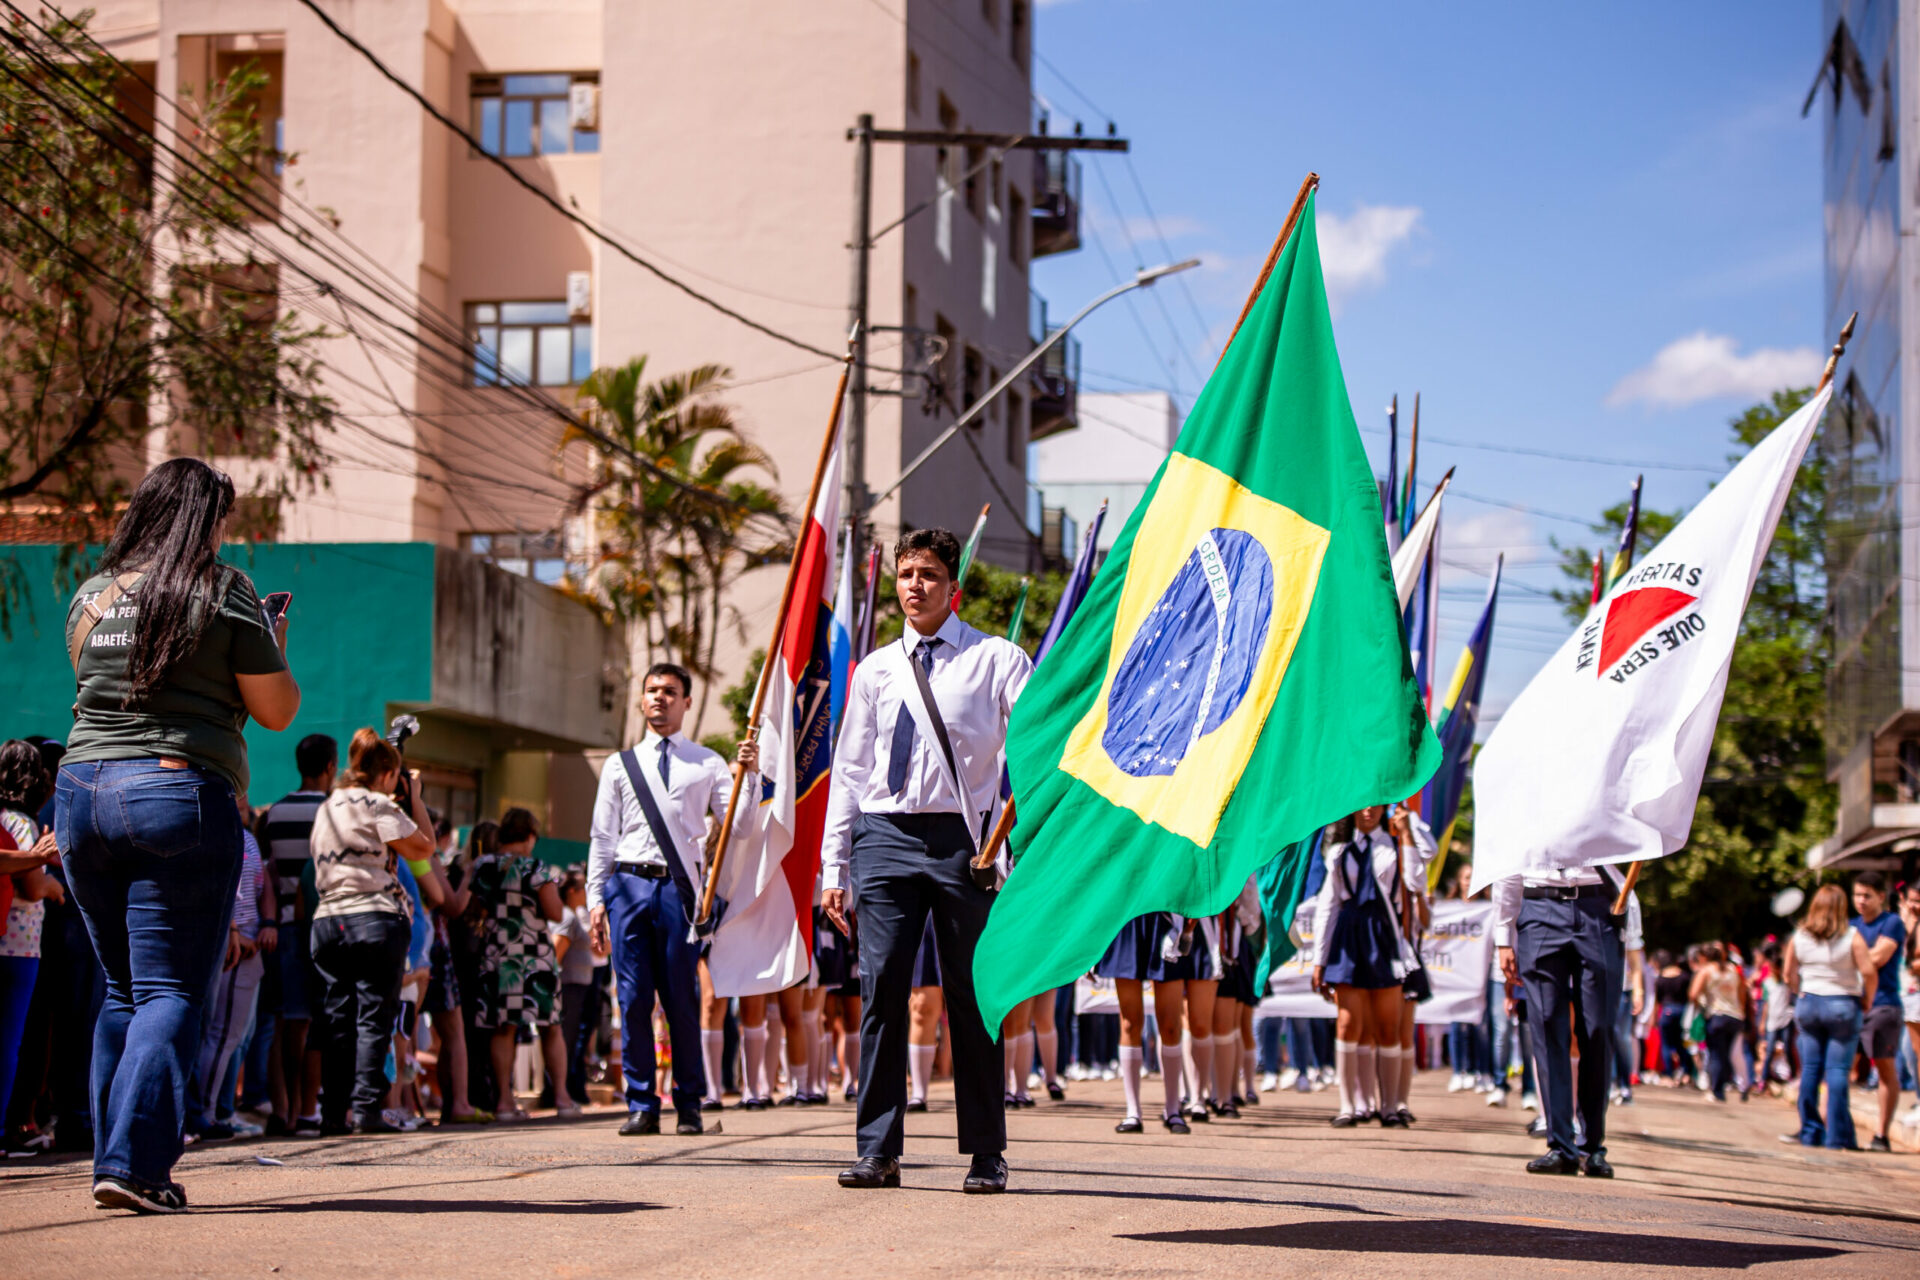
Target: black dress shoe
column 1406, row 1116
column 1596, row 1167
column 1227, row 1111
column 1130, row 1125
column 712, row 1104
column 1198, row 1114
column 987, row 1177
column 872, row 1171
column 791, row 1100
column 1055, row 1092
column 917, row 1105
column 1391, row 1120
column 1555, row 1162
column 691, row 1126
column 755, row 1104
column 1345, row 1120
column 641, row 1124
column 1176, row 1124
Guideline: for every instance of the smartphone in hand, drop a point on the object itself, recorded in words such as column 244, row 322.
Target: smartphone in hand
column 274, row 606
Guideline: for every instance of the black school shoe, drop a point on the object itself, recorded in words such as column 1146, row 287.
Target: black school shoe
column 1556, row 1162
column 870, row 1172
column 691, row 1126
column 919, row 1104
column 641, row 1124
column 1176, row 1124
column 987, row 1176
column 1130, row 1125
column 1596, row 1167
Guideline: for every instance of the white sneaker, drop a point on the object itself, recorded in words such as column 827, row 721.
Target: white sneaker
column 1111, row 1073
column 1269, row 1082
column 1530, row 1102
column 1496, row 1097
column 246, row 1128
column 1284, row 1080
column 1483, row 1083
column 1457, row 1083
column 1319, row 1085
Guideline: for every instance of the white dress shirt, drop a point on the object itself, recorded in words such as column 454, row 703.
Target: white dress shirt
column 699, row 782
column 1510, row 892
column 1377, row 853
column 975, row 680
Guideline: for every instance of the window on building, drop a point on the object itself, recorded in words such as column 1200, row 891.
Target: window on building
column 537, row 115
column 972, row 369
column 540, row 556
column 1017, row 30
column 946, row 370
column 229, row 305
column 990, row 10
column 913, row 82
column 910, row 312
column 1016, row 431
column 1016, row 227
column 977, row 182
column 993, row 406
column 211, row 66
column 531, row 343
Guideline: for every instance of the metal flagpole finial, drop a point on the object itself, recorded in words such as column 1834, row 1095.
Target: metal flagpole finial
column 1839, row 349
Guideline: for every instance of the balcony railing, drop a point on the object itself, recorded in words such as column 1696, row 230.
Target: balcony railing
column 1056, row 202
column 1055, row 377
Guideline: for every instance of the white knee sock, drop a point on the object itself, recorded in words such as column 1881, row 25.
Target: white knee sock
column 1020, row 1057
column 753, row 1047
column 712, row 1045
column 1407, row 1065
column 1171, row 1058
column 776, row 1047
column 1366, row 1081
column 1346, row 1060
column 823, row 1062
column 1250, row 1068
column 920, row 1062
column 814, row 1076
column 1386, row 1065
column 1200, row 1052
column 1131, row 1058
column 1226, row 1065
column 1049, row 1042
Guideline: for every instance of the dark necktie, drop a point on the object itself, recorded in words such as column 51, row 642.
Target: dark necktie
column 666, row 762
column 903, row 730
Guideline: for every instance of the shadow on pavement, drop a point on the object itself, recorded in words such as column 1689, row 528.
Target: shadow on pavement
column 590, row 1207
column 1498, row 1240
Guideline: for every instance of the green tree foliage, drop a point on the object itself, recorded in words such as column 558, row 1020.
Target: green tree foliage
column 674, row 533
column 1766, row 799
column 132, row 297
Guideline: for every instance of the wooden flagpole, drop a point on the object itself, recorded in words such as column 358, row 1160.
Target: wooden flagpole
column 725, row 836
column 1004, row 827
column 1833, row 362
column 1273, row 256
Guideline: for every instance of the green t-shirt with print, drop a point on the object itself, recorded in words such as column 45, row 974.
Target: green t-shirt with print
column 196, row 714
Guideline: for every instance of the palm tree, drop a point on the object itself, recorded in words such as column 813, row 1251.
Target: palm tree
column 679, row 529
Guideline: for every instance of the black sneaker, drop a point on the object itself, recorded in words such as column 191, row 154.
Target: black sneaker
column 305, row 1128
column 375, row 1124
column 1879, row 1144
column 218, row 1131
column 118, row 1193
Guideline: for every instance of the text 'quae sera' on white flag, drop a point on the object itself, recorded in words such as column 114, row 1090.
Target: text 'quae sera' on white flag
column 1600, row 758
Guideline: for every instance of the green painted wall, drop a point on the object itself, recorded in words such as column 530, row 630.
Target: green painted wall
column 361, row 636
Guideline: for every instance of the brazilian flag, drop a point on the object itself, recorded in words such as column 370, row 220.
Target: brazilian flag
column 1236, row 676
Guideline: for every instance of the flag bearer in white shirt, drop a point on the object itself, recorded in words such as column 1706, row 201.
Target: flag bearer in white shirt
column 642, row 898
column 905, row 817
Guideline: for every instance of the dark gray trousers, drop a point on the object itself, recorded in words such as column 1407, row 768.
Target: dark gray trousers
column 905, row 868
column 1572, row 964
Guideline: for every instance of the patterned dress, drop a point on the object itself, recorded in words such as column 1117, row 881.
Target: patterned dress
column 519, row 977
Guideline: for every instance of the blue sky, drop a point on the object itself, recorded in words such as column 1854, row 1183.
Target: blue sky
column 1583, row 229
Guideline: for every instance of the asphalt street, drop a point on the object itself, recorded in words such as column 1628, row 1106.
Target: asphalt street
column 1702, row 1189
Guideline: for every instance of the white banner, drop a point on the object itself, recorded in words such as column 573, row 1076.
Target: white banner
column 1457, row 947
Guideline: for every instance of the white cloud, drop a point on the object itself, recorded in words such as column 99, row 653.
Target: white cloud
column 1469, row 547
column 1708, row 366
column 1354, row 248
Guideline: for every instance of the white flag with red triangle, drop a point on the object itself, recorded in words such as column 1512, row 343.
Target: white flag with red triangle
column 1600, row 758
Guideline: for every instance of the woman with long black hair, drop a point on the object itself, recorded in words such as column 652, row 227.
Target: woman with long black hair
column 171, row 656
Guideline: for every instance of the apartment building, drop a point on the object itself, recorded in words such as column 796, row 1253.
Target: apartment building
column 710, row 142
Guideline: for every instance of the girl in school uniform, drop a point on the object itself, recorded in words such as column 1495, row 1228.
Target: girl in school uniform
column 1411, row 913
column 1232, row 1001
column 1176, row 956
column 1361, row 958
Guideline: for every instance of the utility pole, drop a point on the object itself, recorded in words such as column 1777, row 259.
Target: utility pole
column 856, row 484
column 859, row 498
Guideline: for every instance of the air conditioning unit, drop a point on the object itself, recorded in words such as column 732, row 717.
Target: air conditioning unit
column 579, row 294
column 583, row 105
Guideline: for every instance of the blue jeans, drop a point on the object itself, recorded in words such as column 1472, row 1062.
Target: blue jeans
column 153, row 858
column 1829, row 1034
column 1302, row 1052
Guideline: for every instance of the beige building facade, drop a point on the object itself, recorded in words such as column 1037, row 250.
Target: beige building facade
column 711, row 140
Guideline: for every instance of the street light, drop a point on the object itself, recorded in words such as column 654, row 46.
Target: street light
column 1141, row 279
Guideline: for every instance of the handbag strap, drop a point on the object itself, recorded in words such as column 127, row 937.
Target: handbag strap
column 946, row 744
column 658, row 824
column 94, row 611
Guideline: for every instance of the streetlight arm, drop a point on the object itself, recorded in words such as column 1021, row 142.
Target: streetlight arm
column 1141, row 279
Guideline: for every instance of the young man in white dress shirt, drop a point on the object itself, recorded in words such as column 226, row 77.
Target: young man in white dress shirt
column 906, row 821
column 1555, row 933
column 642, row 906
